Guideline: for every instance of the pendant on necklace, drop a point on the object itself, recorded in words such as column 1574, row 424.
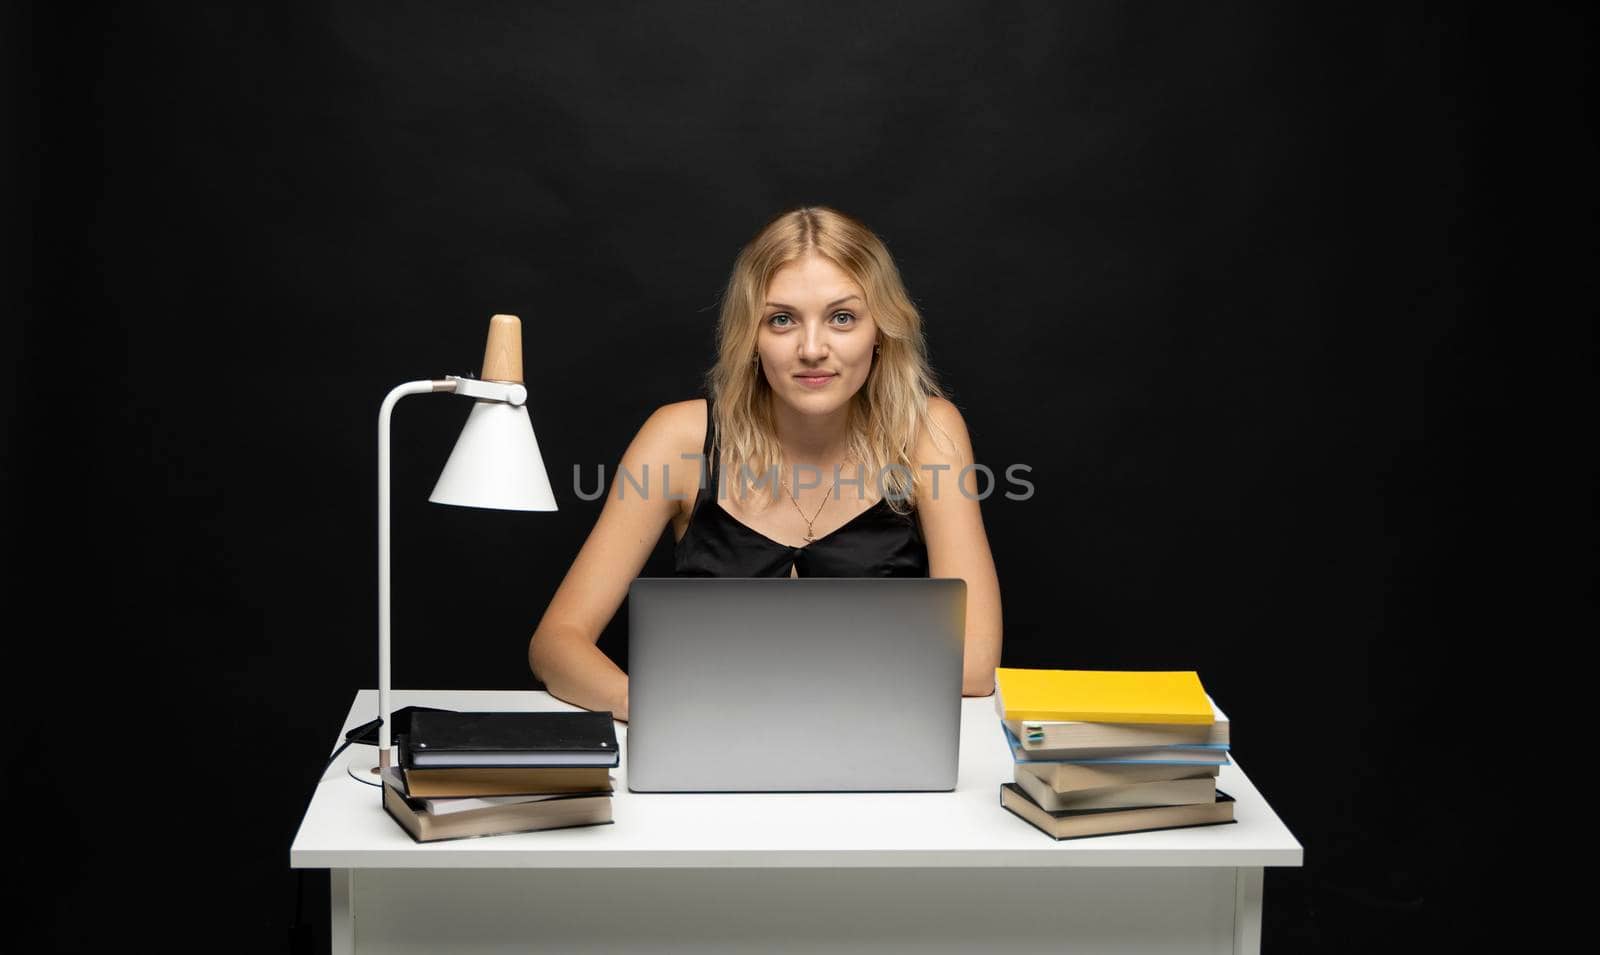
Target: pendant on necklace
column 809, row 538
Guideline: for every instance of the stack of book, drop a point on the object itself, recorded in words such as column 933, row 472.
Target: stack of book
column 482, row 774
column 1098, row 752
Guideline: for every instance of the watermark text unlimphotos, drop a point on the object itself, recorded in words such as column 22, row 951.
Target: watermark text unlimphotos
column 975, row 481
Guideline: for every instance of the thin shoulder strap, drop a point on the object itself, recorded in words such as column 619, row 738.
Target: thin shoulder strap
column 708, row 458
column 711, row 425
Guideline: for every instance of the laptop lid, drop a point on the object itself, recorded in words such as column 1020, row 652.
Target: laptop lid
column 794, row 684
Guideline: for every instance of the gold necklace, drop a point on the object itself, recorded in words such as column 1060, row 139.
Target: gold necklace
column 810, row 530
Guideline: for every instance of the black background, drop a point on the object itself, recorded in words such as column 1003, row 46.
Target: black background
column 1221, row 275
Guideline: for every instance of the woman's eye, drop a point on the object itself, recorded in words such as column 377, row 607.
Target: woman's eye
column 783, row 319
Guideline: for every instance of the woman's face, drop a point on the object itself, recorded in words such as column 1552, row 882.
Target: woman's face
column 816, row 336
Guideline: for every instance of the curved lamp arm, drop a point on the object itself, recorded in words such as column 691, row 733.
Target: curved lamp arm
column 496, row 464
column 384, row 414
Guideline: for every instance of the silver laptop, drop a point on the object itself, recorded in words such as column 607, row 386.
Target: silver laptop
column 794, row 684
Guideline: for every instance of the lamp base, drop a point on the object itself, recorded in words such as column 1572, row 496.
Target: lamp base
column 371, row 774
column 362, row 769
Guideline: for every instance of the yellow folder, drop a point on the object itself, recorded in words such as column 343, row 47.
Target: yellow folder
column 1102, row 696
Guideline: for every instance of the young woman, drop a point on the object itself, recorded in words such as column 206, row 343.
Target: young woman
column 827, row 450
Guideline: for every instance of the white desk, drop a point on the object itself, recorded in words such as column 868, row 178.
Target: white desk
column 838, row 872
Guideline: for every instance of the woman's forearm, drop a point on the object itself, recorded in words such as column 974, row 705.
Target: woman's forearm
column 575, row 670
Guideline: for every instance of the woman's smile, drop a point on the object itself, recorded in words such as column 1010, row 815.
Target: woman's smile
column 815, row 379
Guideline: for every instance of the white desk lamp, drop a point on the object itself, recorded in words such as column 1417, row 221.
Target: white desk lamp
column 495, row 464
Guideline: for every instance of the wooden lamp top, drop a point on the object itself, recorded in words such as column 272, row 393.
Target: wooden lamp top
column 502, row 357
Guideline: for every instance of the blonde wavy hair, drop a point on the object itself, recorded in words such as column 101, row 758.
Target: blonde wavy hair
column 890, row 409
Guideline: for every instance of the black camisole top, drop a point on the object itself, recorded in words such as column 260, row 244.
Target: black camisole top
column 875, row 543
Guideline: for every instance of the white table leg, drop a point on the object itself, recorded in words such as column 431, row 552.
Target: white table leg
column 1247, row 910
column 343, row 915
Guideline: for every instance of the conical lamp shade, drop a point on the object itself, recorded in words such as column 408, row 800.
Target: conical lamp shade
column 496, row 463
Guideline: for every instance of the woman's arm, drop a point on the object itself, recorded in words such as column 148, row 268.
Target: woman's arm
column 952, row 526
column 562, row 652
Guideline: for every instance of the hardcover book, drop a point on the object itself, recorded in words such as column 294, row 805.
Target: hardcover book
column 556, row 812
column 1178, row 754
column 442, row 739
column 1164, row 792
column 459, row 781
column 1075, row 777
column 1065, row 734
column 1101, row 696
column 1078, row 823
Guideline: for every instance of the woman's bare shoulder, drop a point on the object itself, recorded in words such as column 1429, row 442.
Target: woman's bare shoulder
column 669, row 443
column 944, row 411
column 944, row 438
column 679, row 425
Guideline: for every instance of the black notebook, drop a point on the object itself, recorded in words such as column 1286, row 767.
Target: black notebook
column 441, row 740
